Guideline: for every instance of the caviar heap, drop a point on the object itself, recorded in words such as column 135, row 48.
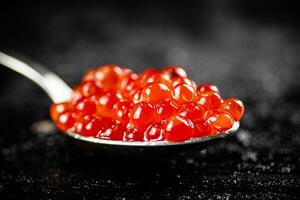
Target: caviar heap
column 113, row 103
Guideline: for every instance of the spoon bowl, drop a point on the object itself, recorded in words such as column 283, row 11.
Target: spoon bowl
column 59, row 91
column 150, row 149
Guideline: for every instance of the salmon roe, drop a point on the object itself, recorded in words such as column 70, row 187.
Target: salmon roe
column 114, row 103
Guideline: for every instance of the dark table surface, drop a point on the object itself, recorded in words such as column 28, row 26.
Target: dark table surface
column 250, row 50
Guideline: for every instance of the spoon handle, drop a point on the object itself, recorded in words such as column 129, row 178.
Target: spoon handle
column 55, row 87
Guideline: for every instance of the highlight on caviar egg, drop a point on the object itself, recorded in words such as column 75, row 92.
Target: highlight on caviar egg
column 114, row 103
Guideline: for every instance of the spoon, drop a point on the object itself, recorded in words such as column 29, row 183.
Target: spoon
column 59, row 91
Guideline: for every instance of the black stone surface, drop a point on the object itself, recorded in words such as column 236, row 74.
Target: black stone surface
column 250, row 49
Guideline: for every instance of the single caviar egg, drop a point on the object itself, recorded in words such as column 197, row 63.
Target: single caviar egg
column 132, row 134
column 202, row 129
column 65, row 121
column 155, row 132
column 106, row 102
column 141, row 115
column 193, row 112
column 86, row 106
column 91, row 127
column 221, row 121
column 183, row 93
column 179, row 129
column 153, row 76
column 209, row 99
column 205, row 87
column 111, row 130
column 58, row 109
column 155, row 92
column 165, row 110
column 109, row 76
column 122, row 110
column 235, row 107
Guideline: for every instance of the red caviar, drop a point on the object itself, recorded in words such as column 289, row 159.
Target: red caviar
column 235, row 107
column 113, row 103
column 179, row 129
column 155, row 92
column 183, row 93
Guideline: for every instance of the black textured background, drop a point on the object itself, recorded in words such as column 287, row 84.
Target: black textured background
column 249, row 49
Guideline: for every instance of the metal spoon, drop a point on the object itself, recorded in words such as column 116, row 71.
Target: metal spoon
column 59, row 91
